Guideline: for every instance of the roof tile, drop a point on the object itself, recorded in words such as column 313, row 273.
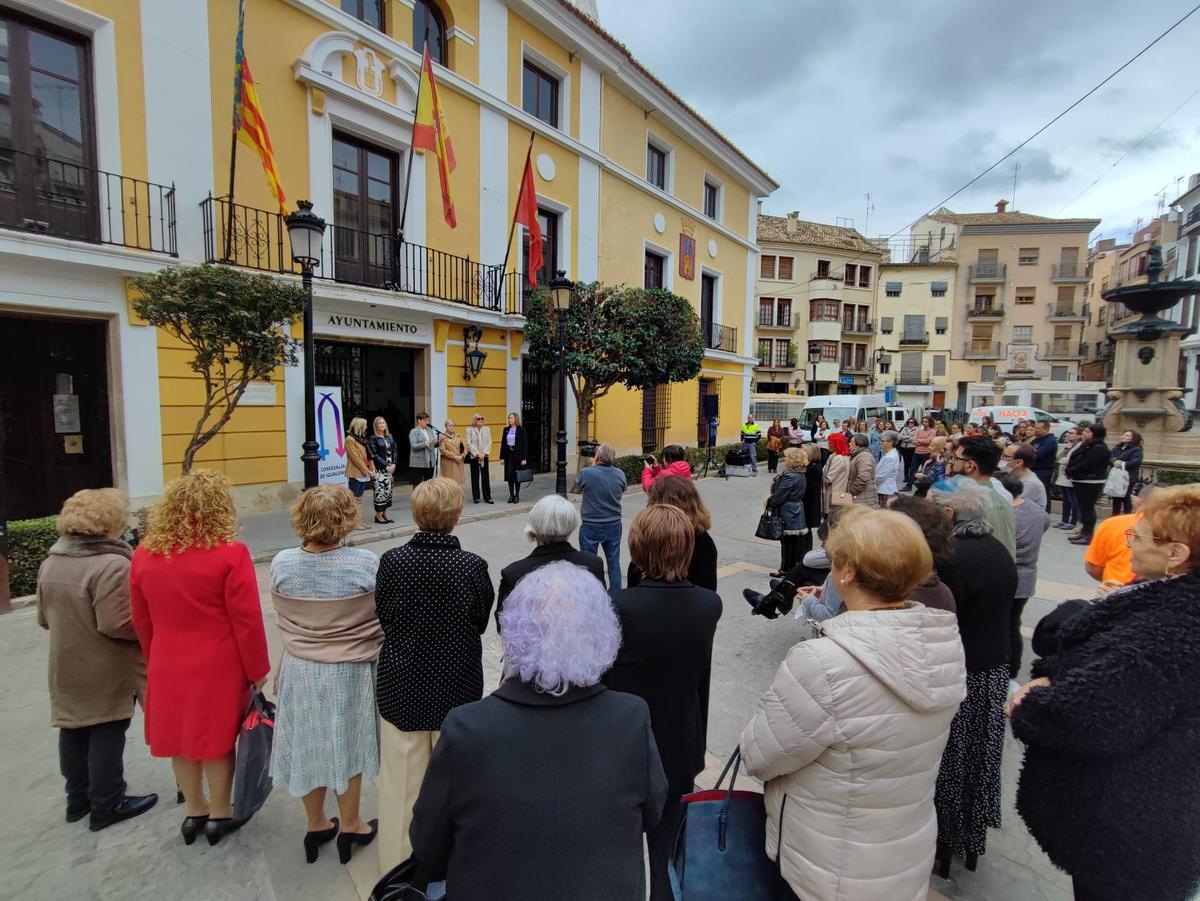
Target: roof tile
column 775, row 229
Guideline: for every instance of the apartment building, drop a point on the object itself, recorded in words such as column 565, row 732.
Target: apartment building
column 1187, row 265
column 1019, row 288
column 914, row 345
column 117, row 162
column 816, row 299
column 1101, row 272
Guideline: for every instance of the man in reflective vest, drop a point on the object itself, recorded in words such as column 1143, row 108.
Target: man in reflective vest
column 750, row 435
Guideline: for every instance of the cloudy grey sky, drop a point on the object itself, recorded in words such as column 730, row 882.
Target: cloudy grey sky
column 910, row 100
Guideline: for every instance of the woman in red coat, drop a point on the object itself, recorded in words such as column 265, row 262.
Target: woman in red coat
column 197, row 615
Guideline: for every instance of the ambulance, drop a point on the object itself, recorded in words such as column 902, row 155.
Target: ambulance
column 1008, row 416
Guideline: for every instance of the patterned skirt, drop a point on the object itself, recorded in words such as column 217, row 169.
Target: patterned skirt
column 326, row 725
column 968, row 783
column 383, row 491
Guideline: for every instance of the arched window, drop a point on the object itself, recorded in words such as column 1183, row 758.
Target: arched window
column 429, row 26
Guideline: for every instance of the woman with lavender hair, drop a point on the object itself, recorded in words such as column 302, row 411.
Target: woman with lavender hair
column 487, row 813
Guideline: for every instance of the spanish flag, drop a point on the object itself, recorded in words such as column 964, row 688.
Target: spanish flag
column 249, row 124
column 430, row 133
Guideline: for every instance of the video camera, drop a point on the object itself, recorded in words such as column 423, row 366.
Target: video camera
column 587, row 449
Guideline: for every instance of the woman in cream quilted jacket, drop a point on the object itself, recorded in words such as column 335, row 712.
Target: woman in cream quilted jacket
column 849, row 735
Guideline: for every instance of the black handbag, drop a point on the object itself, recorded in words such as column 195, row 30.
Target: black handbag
column 770, row 526
column 252, row 767
column 720, row 849
column 524, row 476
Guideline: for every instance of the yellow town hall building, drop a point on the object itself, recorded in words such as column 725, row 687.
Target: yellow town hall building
column 114, row 161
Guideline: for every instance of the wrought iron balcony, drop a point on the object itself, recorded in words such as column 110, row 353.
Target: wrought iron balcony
column 1068, row 272
column 912, row 339
column 53, row 197
column 1065, row 349
column 987, row 272
column 855, row 367
column 719, row 337
column 987, row 311
column 858, row 326
column 982, row 349
column 767, row 320
column 258, row 239
column 1063, row 312
column 913, row 377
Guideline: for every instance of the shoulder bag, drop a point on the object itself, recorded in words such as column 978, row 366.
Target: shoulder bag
column 720, row 849
column 770, row 526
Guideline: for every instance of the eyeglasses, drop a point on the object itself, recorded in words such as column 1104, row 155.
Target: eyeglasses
column 1132, row 537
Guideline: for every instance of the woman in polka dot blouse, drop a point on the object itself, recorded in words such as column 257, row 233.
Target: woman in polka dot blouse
column 433, row 600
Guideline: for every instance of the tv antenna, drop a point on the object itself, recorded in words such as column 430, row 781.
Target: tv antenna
column 1016, row 169
column 867, row 220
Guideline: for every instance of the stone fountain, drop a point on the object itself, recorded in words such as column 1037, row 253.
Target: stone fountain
column 1145, row 394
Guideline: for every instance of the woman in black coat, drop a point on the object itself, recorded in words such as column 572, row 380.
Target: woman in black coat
column 542, row 790
column 381, row 448
column 1088, row 470
column 433, row 599
column 982, row 576
column 677, row 491
column 787, row 502
column 514, row 453
column 667, row 628
column 1128, row 453
column 1111, row 723
column 552, row 522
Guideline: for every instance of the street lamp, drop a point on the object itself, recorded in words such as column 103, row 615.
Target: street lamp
column 881, row 357
column 305, row 232
column 814, row 357
column 560, row 293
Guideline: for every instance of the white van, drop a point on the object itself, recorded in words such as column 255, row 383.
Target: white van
column 845, row 406
column 1008, row 416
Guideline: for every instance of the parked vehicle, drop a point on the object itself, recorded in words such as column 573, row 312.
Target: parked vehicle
column 860, row 407
column 1008, row 416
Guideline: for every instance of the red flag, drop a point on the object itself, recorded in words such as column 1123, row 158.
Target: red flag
column 429, row 133
column 527, row 215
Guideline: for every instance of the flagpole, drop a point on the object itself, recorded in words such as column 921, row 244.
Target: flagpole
column 513, row 227
column 411, row 148
column 237, row 99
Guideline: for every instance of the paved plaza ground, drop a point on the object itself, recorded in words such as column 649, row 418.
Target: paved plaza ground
column 146, row 860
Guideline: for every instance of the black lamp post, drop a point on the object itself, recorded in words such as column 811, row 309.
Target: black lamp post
column 881, row 356
column 560, row 293
column 814, row 357
column 305, row 231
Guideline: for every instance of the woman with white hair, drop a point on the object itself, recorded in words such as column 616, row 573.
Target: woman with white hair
column 551, row 722
column 889, row 471
column 452, row 451
column 552, row 521
column 983, row 579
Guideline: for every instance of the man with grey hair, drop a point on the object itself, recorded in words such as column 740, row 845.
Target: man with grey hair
column 602, row 486
column 551, row 522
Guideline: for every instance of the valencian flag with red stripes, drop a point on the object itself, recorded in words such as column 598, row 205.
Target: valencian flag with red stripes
column 249, row 124
column 527, row 215
column 430, row 133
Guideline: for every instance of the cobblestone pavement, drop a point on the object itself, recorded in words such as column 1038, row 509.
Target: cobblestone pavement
column 145, row 859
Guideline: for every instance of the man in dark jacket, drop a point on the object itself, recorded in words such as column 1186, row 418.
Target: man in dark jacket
column 551, row 522
column 542, row 790
column 1045, row 454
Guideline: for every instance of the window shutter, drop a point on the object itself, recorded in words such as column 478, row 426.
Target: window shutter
column 941, row 323
column 939, row 364
column 935, row 287
column 914, row 326
column 894, row 286
column 885, row 324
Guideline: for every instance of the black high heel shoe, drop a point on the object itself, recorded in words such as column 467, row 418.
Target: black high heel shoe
column 314, row 840
column 191, row 828
column 215, row 829
column 347, row 840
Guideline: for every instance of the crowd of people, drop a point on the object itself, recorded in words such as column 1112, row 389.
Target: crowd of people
column 879, row 741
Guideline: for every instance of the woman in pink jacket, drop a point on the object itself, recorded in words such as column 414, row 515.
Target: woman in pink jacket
column 673, row 464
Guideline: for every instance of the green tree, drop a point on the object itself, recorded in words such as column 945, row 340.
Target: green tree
column 237, row 326
column 615, row 336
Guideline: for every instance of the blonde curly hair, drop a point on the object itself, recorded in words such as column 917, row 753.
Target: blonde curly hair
column 196, row 510
column 94, row 511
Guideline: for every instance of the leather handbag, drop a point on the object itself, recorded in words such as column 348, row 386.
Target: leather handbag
column 524, row 476
column 400, row 884
column 770, row 526
column 720, row 849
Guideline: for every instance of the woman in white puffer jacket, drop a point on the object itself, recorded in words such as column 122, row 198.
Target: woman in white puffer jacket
column 849, row 736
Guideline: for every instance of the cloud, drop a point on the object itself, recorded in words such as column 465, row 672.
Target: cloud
column 910, row 101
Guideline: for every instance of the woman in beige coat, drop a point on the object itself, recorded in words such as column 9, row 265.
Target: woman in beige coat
column 849, row 735
column 861, row 481
column 453, row 451
column 96, row 666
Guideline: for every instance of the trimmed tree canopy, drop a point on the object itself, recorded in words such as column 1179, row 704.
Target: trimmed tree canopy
column 616, row 336
column 236, row 326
